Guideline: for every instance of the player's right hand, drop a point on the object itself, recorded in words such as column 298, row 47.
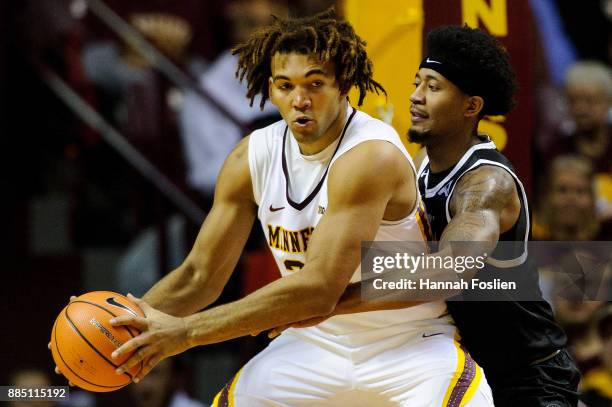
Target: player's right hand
column 72, row 298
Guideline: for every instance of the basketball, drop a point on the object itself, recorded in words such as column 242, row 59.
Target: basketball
column 82, row 341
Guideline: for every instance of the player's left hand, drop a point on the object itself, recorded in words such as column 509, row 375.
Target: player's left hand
column 161, row 336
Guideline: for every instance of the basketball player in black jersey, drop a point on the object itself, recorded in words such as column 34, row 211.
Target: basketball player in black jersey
column 471, row 194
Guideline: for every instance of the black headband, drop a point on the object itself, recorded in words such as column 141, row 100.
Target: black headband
column 463, row 79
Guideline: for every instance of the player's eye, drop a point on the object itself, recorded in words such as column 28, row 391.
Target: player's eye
column 317, row 84
column 284, row 86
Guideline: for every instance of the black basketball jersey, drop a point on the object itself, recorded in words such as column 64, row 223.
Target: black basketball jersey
column 500, row 335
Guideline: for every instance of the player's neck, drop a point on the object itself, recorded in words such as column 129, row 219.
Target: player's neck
column 449, row 149
column 331, row 134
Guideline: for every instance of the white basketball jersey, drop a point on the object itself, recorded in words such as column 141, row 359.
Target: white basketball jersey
column 291, row 192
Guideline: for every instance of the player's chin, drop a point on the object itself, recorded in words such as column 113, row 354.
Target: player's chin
column 304, row 135
column 416, row 134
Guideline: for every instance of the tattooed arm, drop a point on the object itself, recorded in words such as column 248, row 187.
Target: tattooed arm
column 484, row 204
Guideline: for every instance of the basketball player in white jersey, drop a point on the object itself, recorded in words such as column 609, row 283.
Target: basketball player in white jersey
column 322, row 181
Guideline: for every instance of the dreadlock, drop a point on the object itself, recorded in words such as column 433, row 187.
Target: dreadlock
column 323, row 35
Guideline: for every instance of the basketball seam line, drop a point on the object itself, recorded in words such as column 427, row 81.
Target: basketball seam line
column 75, row 373
column 90, row 344
column 114, row 315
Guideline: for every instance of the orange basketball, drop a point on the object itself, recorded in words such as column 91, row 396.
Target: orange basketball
column 82, row 341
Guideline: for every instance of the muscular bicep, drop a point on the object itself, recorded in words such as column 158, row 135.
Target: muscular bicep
column 358, row 197
column 484, row 203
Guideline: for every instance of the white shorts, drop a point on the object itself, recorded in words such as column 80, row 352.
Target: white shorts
column 307, row 367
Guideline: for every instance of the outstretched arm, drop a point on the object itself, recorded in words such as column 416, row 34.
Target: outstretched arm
column 199, row 280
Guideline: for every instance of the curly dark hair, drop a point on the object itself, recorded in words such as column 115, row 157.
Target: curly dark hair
column 482, row 60
column 323, row 35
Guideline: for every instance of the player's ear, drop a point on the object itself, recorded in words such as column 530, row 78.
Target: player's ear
column 474, row 106
column 270, row 82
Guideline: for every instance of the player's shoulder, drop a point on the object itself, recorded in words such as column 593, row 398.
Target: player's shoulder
column 490, row 154
column 367, row 132
column 488, row 172
column 490, row 163
column 485, row 186
column 265, row 141
column 271, row 132
column 364, row 122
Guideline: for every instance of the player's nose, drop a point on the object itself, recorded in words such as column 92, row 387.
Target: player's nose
column 301, row 100
column 417, row 97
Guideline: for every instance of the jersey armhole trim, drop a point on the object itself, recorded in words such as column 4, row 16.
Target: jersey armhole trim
column 490, row 260
column 253, row 169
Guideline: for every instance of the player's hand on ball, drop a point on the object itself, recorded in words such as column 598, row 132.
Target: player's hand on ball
column 162, row 336
column 57, row 368
column 72, row 298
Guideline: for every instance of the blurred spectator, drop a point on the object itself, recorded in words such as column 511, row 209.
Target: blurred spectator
column 567, row 213
column 577, row 317
column 168, row 33
column 142, row 104
column 596, row 386
column 588, row 129
column 133, row 93
column 162, row 388
column 208, row 135
column 34, row 377
column 588, row 86
column 567, row 203
column 202, row 17
column 30, row 378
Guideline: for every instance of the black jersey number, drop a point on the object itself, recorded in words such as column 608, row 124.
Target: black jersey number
column 293, row 265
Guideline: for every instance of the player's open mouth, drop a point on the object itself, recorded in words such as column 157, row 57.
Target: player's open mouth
column 303, row 121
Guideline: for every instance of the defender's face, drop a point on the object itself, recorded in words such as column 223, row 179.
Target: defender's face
column 437, row 107
column 307, row 95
